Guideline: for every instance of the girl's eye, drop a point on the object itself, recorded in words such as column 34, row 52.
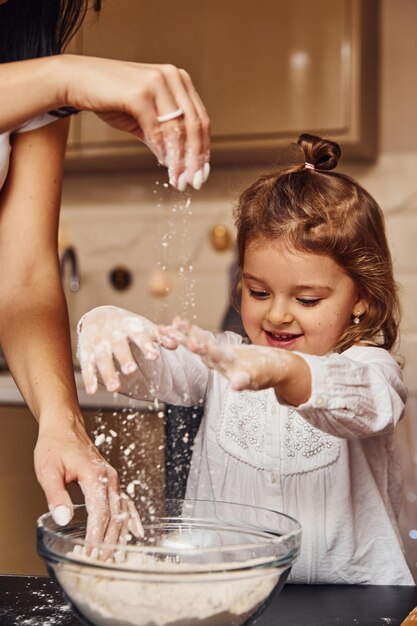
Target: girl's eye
column 308, row 301
column 258, row 294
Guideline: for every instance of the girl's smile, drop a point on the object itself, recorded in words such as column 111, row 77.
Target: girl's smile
column 281, row 340
column 296, row 300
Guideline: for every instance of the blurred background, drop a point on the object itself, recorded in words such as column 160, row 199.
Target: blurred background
column 266, row 71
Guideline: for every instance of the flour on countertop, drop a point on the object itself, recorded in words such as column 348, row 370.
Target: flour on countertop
column 47, row 609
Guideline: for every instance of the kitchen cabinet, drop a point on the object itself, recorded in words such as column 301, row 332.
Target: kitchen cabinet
column 22, row 499
column 266, row 71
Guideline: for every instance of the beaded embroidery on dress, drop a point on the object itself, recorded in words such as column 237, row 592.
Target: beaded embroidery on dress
column 307, row 448
column 247, row 416
column 303, row 437
column 242, row 426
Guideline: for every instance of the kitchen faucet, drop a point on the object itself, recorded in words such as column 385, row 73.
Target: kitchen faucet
column 70, row 256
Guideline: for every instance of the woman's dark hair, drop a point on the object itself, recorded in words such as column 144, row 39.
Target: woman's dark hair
column 310, row 208
column 38, row 28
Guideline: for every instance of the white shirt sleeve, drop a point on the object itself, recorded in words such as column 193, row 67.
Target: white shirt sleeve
column 359, row 393
column 5, row 148
column 36, row 122
column 177, row 377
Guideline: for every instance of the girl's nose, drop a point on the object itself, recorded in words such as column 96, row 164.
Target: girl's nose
column 279, row 313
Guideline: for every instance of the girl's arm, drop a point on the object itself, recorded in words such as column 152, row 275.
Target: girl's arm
column 249, row 366
column 34, row 331
column 128, row 96
column 356, row 394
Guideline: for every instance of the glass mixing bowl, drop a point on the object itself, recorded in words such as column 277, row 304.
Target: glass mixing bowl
column 200, row 563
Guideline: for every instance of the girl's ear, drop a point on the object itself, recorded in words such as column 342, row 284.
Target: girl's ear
column 360, row 307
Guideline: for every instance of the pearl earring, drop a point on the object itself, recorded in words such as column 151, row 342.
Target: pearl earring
column 356, row 319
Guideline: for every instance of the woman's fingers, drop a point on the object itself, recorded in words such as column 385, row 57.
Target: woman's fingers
column 57, row 497
column 95, row 490
column 134, row 524
column 157, row 103
column 172, row 128
column 112, row 516
column 118, row 515
column 149, row 130
column 187, row 143
column 201, row 148
column 189, row 134
column 62, row 457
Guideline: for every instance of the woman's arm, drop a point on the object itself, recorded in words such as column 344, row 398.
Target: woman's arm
column 128, row 96
column 34, row 330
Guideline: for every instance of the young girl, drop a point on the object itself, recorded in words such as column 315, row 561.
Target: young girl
column 301, row 419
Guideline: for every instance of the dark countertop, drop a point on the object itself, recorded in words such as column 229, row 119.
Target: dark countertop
column 36, row 601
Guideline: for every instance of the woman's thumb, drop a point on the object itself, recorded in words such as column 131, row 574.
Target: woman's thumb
column 59, row 502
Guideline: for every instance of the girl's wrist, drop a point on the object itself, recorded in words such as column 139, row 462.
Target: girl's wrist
column 294, row 377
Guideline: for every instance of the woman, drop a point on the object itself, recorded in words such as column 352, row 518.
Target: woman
column 160, row 106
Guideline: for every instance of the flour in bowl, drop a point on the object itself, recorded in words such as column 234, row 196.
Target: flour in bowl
column 167, row 594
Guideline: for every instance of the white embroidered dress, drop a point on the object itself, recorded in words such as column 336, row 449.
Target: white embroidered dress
column 330, row 463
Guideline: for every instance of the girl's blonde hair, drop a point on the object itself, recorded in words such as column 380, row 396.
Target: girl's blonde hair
column 315, row 210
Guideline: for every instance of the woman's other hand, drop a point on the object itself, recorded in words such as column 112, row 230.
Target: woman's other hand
column 132, row 96
column 63, row 456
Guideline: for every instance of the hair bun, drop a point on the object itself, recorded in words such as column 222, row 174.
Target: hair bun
column 321, row 153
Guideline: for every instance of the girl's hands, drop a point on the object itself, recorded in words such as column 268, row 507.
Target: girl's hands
column 64, row 455
column 246, row 366
column 104, row 333
column 131, row 97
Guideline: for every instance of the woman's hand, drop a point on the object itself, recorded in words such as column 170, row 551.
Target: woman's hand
column 104, row 333
column 132, row 96
column 64, row 455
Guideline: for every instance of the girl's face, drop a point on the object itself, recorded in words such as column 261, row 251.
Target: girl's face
column 296, row 300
